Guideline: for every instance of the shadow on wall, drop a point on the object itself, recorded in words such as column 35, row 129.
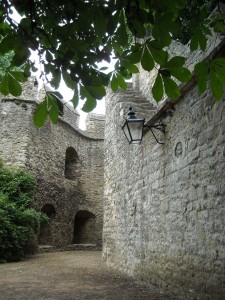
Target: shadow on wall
column 45, row 235
column 84, row 228
column 70, row 163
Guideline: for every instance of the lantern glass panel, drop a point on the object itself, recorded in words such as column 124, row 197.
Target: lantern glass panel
column 133, row 129
column 127, row 132
column 136, row 128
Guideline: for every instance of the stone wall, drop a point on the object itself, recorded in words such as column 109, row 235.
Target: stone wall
column 51, row 153
column 164, row 209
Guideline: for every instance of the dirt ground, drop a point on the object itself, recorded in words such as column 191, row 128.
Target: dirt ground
column 70, row 276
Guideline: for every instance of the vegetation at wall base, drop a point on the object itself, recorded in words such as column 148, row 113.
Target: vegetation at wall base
column 19, row 222
column 71, row 39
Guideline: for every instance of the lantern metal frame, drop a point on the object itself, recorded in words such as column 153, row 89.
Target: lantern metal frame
column 131, row 119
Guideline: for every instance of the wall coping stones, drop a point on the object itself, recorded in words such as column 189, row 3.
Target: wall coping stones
column 88, row 135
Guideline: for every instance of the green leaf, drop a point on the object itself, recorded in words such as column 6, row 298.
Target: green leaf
column 216, row 85
column 75, row 100
column 53, row 108
column 201, row 70
column 89, row 105
column 56, row 79
column 21, row 55
column 178, row 3
column 165, row 72
column 117, row 47
column 218, row 65
column 202, row 41
column 4, row 85
column 99, row 22
column 90, row 102
column 194, row 42
column 41, row 114
column 4, row 26
column 132, row 68
column 114, row 83
column 25, row 23
column 10, row 83
column 121, row 82
column 68, row 80
column 49, row 56
column 121, row 34
column 217, row 22
column 219, row 26
column 202, row 83
column 219, row 62
column 138, row 28
column 175, row 62
column 198, row 39
column 91, row 80
column 97, row 92
column 220, row 71
column 171, row 88
column 135, row 57
column 56, row 94
column 146, row 61
column 26, row 70
column 103, row 68
column 14, row 86
column 157, row 89
column 161, row 32
column 19, row 76
column 58, row 97
column 8, row 43
column 159, row 56
column 182, row 74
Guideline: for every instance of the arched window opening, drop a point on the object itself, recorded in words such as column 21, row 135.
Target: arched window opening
column 49, row 210
column 70, row 163
column 84, row 227
column 45, row 234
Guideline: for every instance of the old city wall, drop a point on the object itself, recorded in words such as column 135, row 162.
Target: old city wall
column 164, row 212
column 68, row 165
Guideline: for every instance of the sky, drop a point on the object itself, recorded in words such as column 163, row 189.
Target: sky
column 68, row 94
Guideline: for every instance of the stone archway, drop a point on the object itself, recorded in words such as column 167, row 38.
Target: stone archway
column 84, row 228
column 45, row 234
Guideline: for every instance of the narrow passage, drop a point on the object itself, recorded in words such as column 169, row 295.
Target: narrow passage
column 71, row 275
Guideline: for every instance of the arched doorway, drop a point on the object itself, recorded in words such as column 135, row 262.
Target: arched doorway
column 45, row 235
column 71, row 163
column 84, row 227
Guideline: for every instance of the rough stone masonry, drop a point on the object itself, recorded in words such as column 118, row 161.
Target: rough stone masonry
column 164, row 209
column 68, row 165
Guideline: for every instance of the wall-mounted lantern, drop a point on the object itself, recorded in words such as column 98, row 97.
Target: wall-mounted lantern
column 133, row 128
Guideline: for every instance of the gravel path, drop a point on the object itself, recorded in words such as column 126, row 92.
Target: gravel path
column 70, row 276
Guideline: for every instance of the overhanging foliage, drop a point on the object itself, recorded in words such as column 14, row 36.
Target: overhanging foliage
column 72, row 37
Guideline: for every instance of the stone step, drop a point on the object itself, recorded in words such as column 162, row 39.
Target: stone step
column 71, row 247
column 82, row 247
column 45, row 248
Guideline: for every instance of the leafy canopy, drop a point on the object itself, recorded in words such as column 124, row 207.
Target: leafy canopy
column 73, row 37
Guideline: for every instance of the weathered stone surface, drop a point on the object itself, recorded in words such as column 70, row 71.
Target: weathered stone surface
column 164, row 210
column 43, row 152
